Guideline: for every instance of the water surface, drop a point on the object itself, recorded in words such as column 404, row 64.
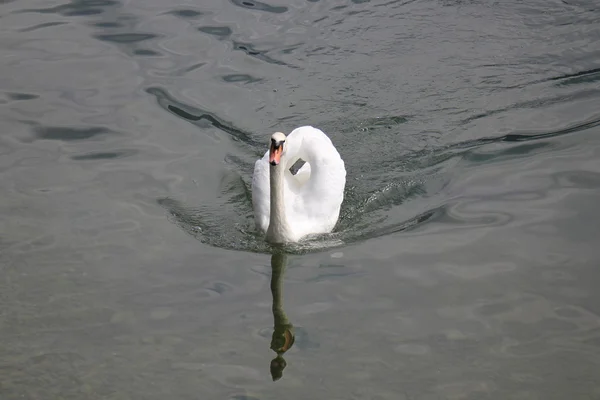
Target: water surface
column 464, row 265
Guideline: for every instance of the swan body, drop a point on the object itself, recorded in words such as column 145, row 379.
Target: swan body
column 288, row 207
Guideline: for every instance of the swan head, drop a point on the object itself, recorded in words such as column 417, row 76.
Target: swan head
column 277, row 147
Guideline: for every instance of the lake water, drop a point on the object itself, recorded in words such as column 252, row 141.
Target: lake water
column 466, row 263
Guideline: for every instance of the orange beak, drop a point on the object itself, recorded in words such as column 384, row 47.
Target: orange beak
column 275, row 154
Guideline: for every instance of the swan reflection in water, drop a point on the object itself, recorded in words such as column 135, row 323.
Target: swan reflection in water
column 283, row 331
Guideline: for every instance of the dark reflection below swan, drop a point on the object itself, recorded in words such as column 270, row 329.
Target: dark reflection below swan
column 283, row 331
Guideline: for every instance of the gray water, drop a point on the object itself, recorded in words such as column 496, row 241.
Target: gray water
column 466, row 261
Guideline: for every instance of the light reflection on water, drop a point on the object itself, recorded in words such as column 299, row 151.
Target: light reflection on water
column 465, row 261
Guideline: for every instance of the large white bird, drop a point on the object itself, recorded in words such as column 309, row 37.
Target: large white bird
column 288, row 207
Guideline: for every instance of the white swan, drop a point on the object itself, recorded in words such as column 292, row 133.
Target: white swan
column 288, row 207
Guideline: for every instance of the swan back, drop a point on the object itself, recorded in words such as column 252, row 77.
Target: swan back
column 313, row 196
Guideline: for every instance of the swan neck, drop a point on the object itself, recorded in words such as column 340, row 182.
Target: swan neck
column 277, row 222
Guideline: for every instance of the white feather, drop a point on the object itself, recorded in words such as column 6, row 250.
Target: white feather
column 312, row 198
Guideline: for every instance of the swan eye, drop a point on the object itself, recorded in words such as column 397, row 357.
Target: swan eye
column 275, row 151
column 276, row 144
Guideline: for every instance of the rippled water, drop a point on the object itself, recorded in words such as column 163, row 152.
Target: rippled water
column 465, row 263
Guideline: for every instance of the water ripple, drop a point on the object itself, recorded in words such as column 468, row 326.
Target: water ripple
column 578, row 179
column 473, row 262
column 260, row 6
column 221, row 32
column 542, row 102
column 106, row 155
column 196, row 115
column 186, row 13
column 589, row 76
column 76, row 8
column 527, row 136
column 22, row 96
column 70, row 133
column 126, row 37
column 237, row 78
column 42, row 26
column 259, row 54
column 363, row 215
